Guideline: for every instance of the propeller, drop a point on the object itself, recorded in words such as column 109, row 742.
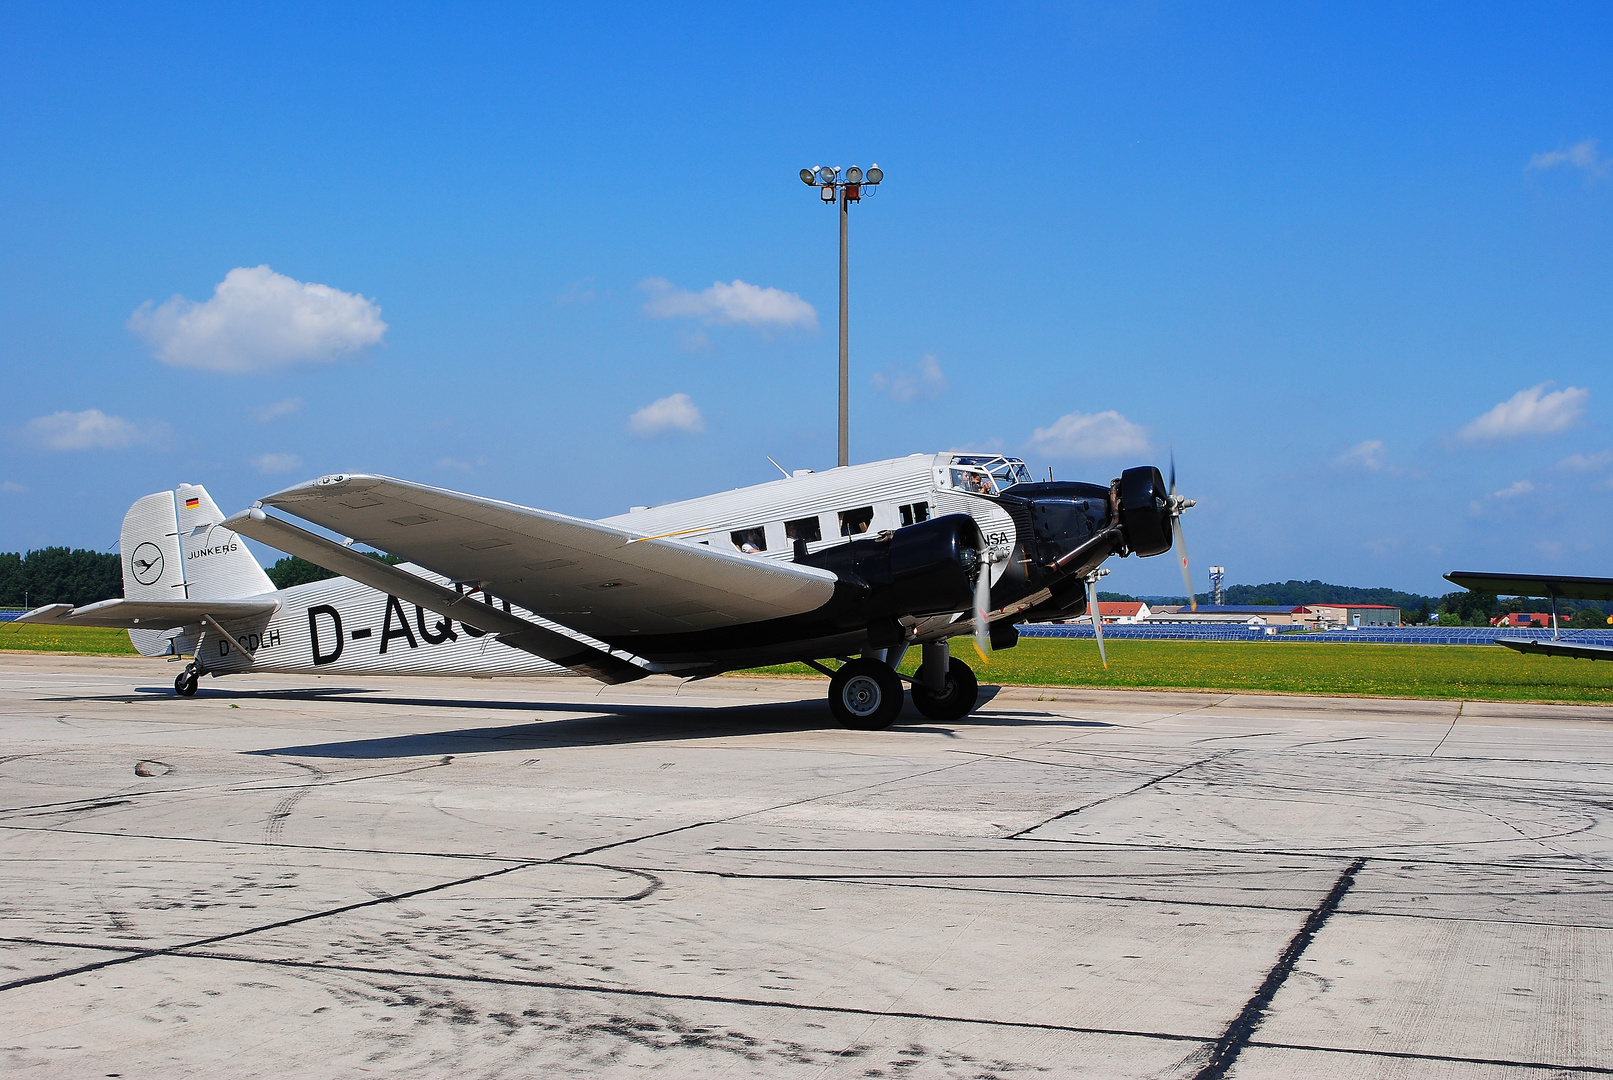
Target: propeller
column 1176, row 505
column 982, row 605
column 1094, row 614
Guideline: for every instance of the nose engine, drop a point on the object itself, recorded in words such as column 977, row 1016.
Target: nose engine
column 1145, row 511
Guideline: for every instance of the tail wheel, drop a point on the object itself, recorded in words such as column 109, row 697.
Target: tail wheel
column 865, row 694
column 955, row 702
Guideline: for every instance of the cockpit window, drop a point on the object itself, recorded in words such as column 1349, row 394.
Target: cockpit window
column 987, row 475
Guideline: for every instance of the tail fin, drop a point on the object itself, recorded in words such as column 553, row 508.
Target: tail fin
column 175, row 548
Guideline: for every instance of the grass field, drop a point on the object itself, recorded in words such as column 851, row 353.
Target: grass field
column 1484, row 673
column 78, row 640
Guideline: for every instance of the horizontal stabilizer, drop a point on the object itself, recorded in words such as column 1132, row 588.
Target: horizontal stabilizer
column 148, row 614
column 511, row 629
column 1549, row 585
column 1559, row 647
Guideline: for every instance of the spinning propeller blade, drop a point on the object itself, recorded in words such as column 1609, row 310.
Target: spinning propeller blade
column 1177, row 505
column 983, row 606
column 1096, row 616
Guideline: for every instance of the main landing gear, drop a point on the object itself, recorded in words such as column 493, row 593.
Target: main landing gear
column 866, row 694
column 185, row 684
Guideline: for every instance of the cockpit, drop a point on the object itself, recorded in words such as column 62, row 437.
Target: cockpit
column 983, row 475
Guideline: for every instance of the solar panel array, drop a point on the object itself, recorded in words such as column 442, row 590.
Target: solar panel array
column 1367, row 635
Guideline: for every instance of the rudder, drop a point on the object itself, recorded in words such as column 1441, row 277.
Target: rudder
column 174, row 547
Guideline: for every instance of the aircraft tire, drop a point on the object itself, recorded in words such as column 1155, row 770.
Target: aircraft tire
column 185, row 684
column 866, row 695
column 958, row 700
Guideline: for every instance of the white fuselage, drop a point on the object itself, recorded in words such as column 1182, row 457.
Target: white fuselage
column 891, row 492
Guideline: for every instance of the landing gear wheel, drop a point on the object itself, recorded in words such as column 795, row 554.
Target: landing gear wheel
column 865, row 694
column 185, row 684
column 958, row 700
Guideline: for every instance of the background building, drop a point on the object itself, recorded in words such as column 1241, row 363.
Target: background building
column 1347, row 614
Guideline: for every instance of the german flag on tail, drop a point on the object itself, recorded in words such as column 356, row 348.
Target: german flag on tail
column 191, row 504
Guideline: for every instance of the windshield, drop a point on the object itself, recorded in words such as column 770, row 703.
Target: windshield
column 987, row 475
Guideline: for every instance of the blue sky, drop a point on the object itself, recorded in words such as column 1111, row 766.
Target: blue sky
column 1356, row 267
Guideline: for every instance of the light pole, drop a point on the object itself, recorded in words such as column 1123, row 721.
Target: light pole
column 845, row 188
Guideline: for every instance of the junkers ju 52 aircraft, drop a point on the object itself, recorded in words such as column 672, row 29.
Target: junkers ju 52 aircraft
column 858, row 563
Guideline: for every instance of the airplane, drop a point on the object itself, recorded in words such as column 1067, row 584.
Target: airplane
column 1553, row 587
column 857, row 564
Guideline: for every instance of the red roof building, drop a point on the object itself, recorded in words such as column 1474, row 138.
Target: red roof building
column 1524, row 619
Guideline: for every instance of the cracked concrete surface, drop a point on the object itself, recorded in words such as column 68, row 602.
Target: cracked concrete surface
column 329, row 875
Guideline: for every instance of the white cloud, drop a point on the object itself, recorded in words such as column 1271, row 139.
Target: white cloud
column 1368, row 455
column 1587, row 462
column 1090, row 435
column 259, row 320
column 271, row 464
column 92, row 429
column 279, row 409
column 924, row 382
column 1582, row 156
column 11, row 487
column 578, row 292
column 693, row 341
column 738, row 302
column 1522, row 487
column 664, row 417
column 1528, row 412
column 461, row 465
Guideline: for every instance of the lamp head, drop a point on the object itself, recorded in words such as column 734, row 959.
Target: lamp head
column 854, row 175
column 875, row 174
column 807, row 177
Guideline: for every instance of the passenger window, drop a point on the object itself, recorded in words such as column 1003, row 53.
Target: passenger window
column 750, row 541
column 856, row 522
column 915, row 513
column 803, row 529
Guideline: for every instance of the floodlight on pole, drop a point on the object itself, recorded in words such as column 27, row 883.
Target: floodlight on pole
column 845, row 189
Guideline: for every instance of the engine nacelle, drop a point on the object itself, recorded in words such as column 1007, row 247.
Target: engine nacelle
column 923, row 569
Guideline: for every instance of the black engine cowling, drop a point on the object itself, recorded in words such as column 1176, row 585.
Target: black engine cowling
column 1145, row 515
column 922, row 569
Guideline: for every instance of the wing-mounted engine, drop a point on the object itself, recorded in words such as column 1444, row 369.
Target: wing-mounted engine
column 923, row 569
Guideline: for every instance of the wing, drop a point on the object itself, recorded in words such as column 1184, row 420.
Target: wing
column 580, row 656
column 1559, row 647
column 1564, row 588
column 602, row 580
column 148, row 614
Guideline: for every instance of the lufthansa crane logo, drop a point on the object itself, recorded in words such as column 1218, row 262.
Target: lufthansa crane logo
column 146, row 562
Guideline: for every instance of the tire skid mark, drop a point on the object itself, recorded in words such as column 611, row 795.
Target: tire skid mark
column 1224, row 1053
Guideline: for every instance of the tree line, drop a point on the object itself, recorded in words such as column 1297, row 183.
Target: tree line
column 58, row 575
column 78, row 576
